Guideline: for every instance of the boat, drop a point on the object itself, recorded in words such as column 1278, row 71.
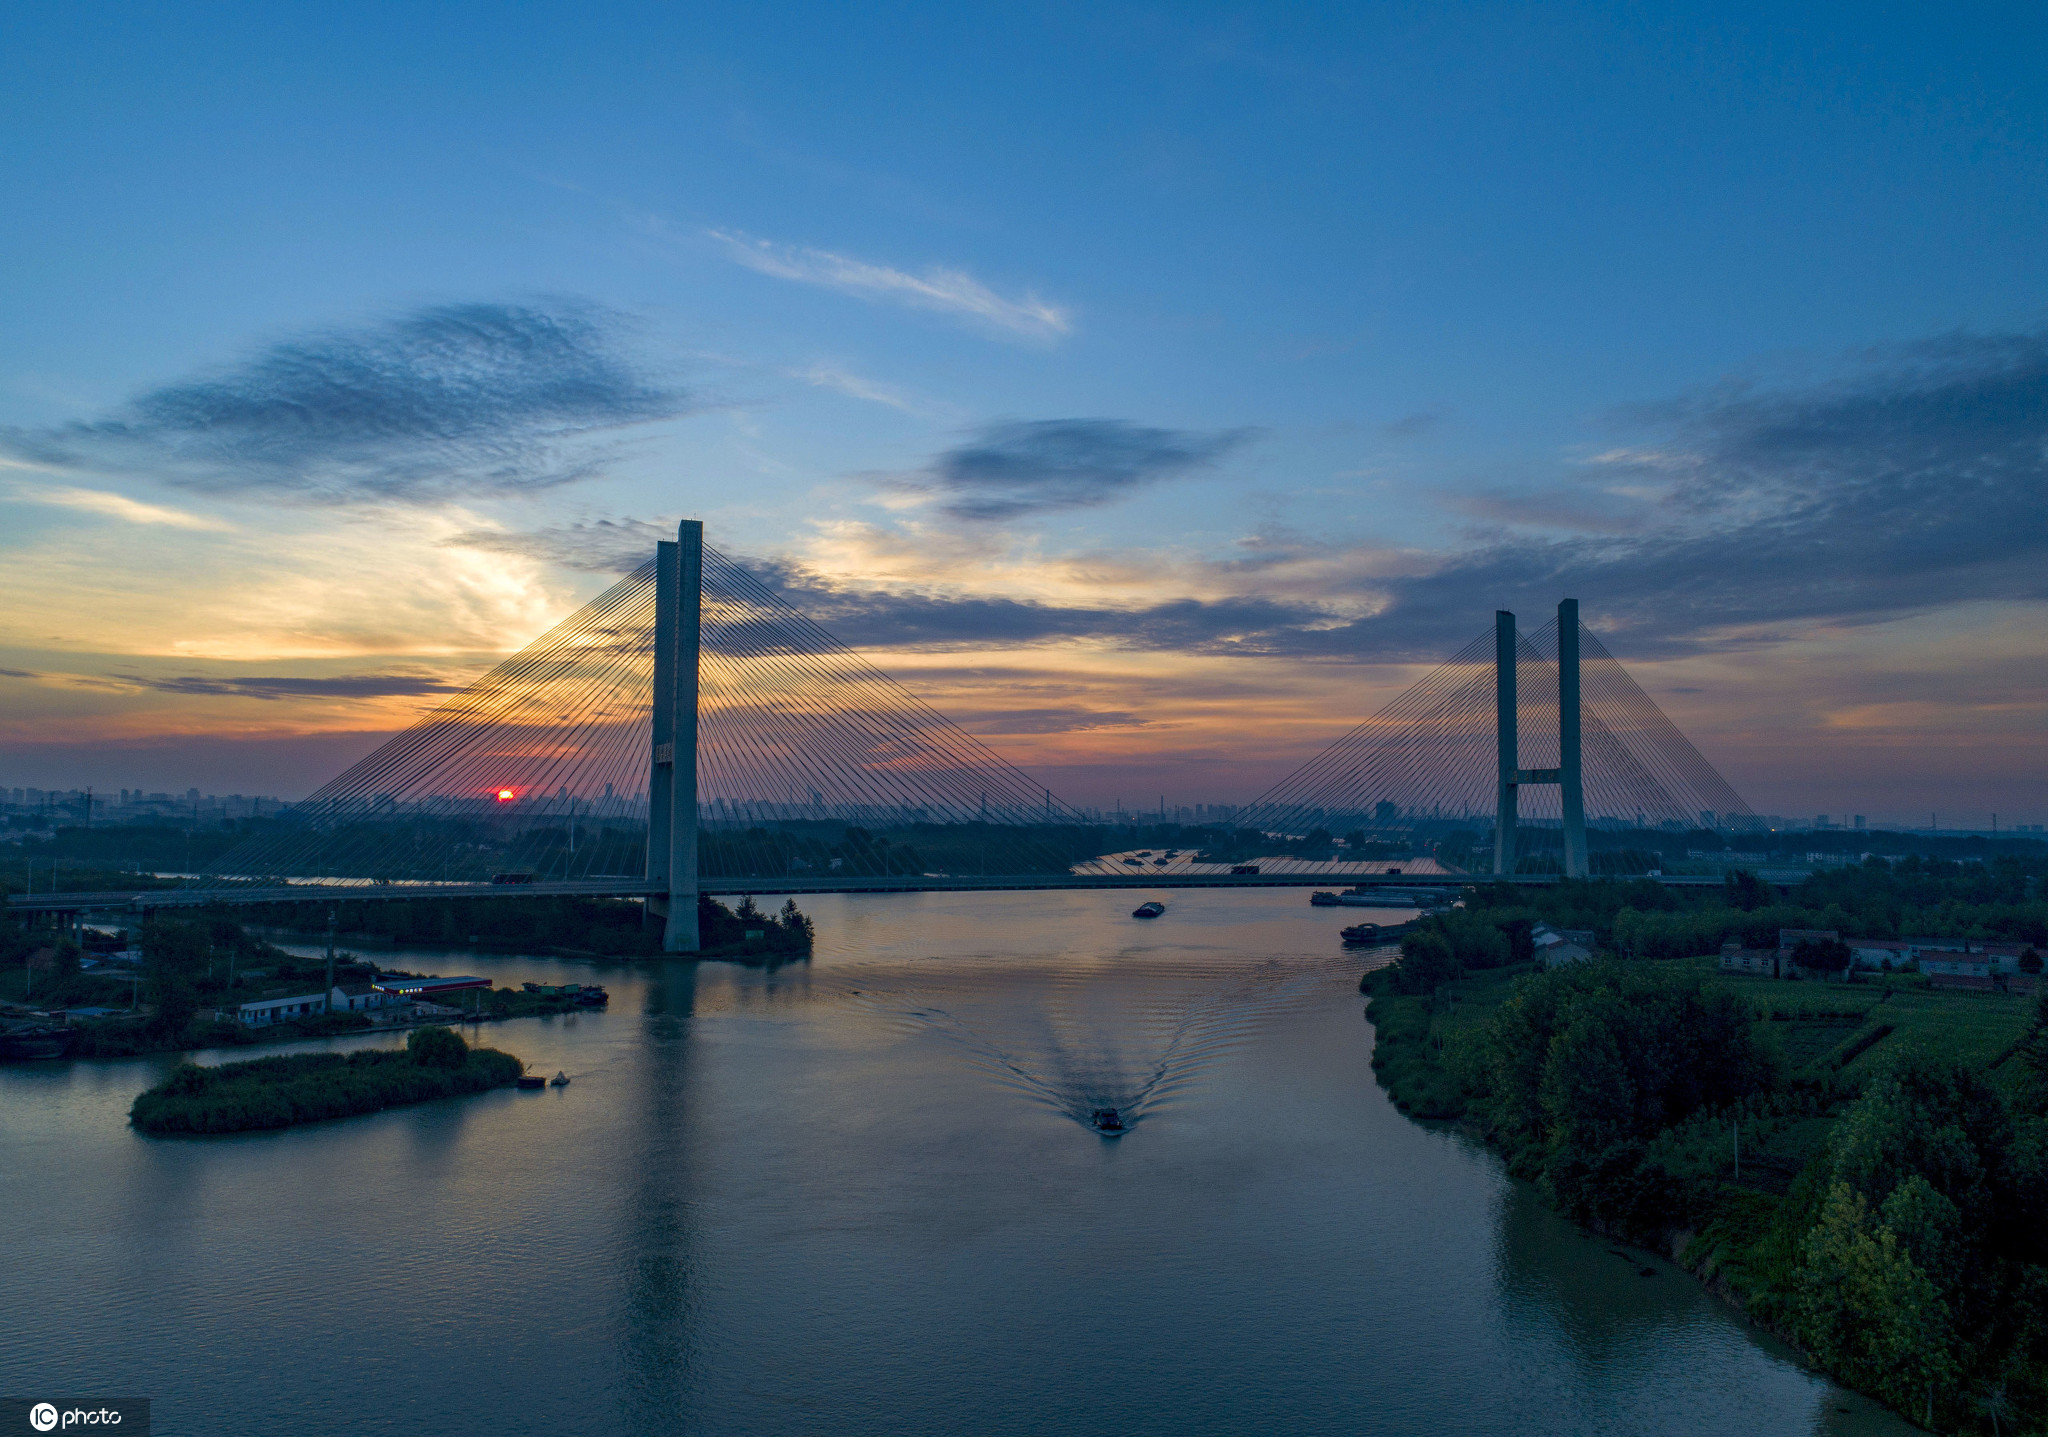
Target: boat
column 531, row 1082
column 1362, row 933
column 28, row 1041
column 1108, row 1122
column 1323, row 898
column 1148, row 910
column 559, row 1080
column 592, row 996
column 1387, row 898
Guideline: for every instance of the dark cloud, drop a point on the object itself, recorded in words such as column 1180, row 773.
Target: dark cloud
column 352, row 686
column 1010, row 469
column 18, row 674
column 452, row 401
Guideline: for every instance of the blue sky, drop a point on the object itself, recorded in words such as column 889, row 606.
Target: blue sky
column 1342, row 326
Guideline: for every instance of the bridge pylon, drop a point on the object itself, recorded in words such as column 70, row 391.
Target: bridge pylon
column 1569, row 775
column 672, row 764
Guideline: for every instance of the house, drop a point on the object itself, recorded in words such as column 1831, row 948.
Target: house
column 1556, row 948
column 262, row 1012
column 1737, row 959
column 361, row 998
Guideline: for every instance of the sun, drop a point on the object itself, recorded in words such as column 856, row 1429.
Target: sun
column 505, row 795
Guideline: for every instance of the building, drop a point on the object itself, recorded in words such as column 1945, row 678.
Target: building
column 262, row 1012
column 362, row 998
column 1737, row 959
column 1557, row 947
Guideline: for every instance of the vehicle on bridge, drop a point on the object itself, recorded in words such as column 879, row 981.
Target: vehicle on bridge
column 511, row 878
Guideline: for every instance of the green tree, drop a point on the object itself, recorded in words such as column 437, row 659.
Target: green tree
column 1745, row 890
column 437, row 1048
column 1869, row 1312
column 1426, row 963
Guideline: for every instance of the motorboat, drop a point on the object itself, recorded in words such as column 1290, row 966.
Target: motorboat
column 532, row 1082
column 1148, row 910
column 1108, row 1122
column 559, row 1080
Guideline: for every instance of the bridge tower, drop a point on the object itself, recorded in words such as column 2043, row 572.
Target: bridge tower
column 672, row 770
column 1569, row 775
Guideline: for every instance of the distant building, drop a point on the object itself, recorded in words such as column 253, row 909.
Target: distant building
column 361, row 998
column 262, row 1012
column 1737, row 959
column 1556, row 948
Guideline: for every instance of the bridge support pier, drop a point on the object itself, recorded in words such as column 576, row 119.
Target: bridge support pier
column 1570, row 769
column 672, row 772
column 1569, row 775
column 1506, row 734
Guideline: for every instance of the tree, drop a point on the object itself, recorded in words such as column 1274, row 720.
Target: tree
column 2030, row 961
column 1822, row 955
column 1426, row 963
column 1745, row 890
column 172, row 956
column 437, row 1048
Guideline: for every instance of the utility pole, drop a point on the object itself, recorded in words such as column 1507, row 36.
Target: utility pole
column 328, row 1006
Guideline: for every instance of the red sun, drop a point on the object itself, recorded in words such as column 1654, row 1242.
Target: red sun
column 505, row 795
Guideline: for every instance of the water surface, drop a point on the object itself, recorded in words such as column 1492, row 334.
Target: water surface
column 859, row 1195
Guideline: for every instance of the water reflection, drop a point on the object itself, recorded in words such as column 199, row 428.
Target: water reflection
column 654, row 1339
column 858, row 1195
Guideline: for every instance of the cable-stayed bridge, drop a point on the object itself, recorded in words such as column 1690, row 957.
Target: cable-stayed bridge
column 689, row 731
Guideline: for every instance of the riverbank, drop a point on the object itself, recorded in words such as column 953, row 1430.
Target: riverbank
column 313, row 1087
column 1856, row 1168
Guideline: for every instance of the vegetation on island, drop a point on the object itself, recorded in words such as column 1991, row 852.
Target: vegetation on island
column 1862, row 1166
column 577, row 927
column 312, row 1087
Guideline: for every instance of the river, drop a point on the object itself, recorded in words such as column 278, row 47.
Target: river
column 858, row 1195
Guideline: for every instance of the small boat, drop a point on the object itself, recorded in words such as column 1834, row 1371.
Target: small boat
column 559, row 1080
column 532, row 1082
column 1362, row 933
column 1108, row 1122
column 1322, row 898
column 1148, row 910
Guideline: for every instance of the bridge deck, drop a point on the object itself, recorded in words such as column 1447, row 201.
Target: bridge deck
column 160, row 898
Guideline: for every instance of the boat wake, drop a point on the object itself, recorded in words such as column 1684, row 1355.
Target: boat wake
column 1129, row 1036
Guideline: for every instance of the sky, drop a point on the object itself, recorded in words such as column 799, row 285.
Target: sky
column 1156, row 391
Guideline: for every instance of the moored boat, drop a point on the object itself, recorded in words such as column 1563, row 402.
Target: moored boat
column 1362, row 933
column 1323, row 898
column 531, row 1082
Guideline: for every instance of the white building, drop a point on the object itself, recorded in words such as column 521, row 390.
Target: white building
column 262, row 1012
column 362, row 998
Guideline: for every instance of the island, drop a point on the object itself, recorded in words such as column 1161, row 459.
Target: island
column 282, row 1092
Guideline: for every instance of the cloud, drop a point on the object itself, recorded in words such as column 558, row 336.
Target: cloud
column 950, row 292
column 18, row 674
column 353, row 686
column 1917, row 483
column 120, row 506
column 1006, row 470
column 826, row 376
column 595, row 546
column 457, row 400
